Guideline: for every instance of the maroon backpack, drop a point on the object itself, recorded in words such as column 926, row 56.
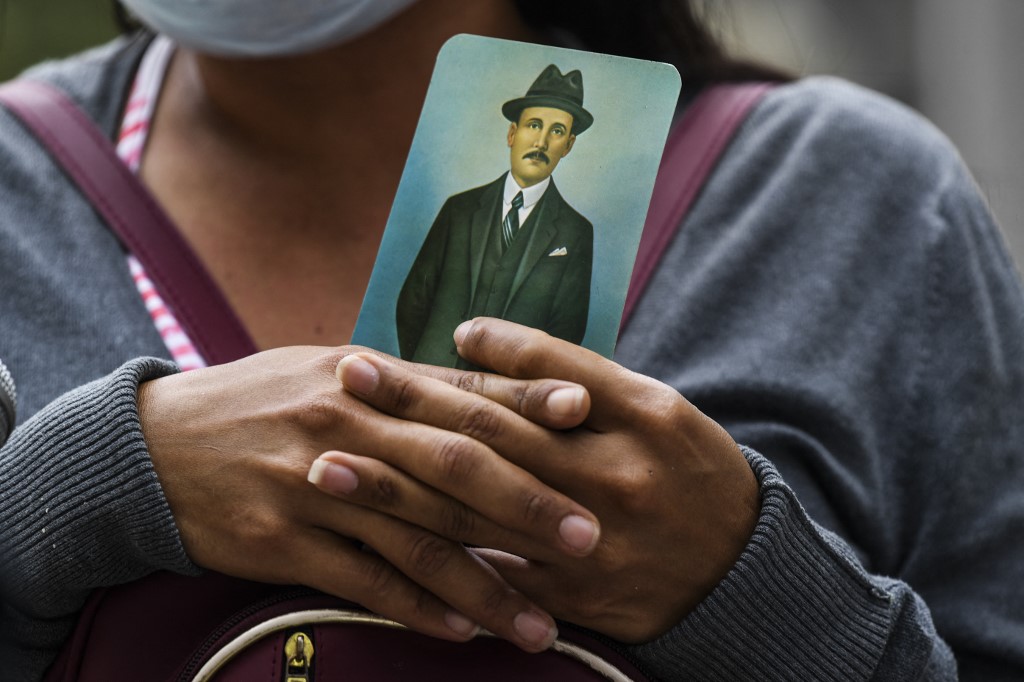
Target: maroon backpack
column 168, row 627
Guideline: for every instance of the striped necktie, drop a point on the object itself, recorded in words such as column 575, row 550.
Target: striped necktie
column 510, row 225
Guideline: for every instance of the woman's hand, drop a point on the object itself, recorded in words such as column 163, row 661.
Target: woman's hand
column 676, row 499
column 232, row 446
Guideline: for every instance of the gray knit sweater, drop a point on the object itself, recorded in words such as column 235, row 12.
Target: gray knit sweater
column 839, row 300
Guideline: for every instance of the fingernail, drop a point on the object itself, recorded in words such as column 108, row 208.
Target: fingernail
column 333, row 478
column 579, row 533
column 459, row 624
column 565, row 402
column 534, row 629
column 461, row 331
column 358, row 375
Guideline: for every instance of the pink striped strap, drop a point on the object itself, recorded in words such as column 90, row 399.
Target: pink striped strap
column 91, row 161
column 693, row 149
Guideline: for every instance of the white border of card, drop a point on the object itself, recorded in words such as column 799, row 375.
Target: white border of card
column 498, row 118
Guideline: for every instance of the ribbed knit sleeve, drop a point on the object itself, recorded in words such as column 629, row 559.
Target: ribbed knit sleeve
column 80, row 505
column 796, row 606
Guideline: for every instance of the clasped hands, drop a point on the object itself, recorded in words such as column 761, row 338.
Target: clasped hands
column 562, row 486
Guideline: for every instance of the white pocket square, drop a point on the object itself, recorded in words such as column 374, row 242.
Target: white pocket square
column 560, row 251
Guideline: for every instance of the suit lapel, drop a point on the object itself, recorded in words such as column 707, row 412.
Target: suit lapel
column 545, row 226
column 484, row 219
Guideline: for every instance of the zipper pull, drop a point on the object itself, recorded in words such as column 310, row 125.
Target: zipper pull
column 298, row 657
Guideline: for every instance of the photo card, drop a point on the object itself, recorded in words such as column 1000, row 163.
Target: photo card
column 523, row 197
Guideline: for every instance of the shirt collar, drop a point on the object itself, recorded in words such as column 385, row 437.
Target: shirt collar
column 531, row 195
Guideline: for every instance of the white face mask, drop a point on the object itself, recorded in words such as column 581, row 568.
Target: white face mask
column 263, row 28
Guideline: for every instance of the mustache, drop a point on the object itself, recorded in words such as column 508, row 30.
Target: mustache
column 537, row 155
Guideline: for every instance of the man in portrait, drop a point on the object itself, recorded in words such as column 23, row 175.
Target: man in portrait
column 513, row 248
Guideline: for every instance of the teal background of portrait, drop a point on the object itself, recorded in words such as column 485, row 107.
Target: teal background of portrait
column 460, row 143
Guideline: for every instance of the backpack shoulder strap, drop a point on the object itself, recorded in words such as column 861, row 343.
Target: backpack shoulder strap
column 89, row 159
column 691, row 154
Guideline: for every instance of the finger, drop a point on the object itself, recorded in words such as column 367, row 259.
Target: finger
column 448, row 572
column 616, row 606
column 524, row 353
column 402, row 393
column 565, row 599
column 467, row 468
column 374, row 484
column 542, row 582
column 552, row 403
column 448, row 569
column 528, row 576
column 334, row 565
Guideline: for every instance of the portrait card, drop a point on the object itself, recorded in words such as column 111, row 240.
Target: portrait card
column 523, row 197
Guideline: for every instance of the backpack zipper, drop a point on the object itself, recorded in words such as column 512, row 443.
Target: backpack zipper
column 298, row 657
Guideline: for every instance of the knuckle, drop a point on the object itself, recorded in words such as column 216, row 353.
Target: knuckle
column 524, row 353
column 428, row 554
column 631, row 487
column 614, row 560
column 260, row 528
column 589, row 609
column 584, row 605
column 664, row 405
column 379, row 576
column 458, row 458
column 538, row 506
column 494, row 600
column 457, row 520
column 318, row 413
column 531, row 398
column 479, row 421
column 521, row 399
column 425, row 604
column 385, row 492
column 327, row 362
column 470, row 382
column 402, row 394
column 478, row 336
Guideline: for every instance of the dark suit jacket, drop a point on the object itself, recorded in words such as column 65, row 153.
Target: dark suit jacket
column 550, row 288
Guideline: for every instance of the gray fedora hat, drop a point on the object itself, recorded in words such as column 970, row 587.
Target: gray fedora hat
column 555, row 90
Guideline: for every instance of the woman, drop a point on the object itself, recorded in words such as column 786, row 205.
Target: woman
column 838, row 303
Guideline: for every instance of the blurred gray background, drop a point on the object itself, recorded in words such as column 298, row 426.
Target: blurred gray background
column 959, row 62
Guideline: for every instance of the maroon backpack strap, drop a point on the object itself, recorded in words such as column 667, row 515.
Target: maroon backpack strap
column 91, row 162
column 693, row 149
